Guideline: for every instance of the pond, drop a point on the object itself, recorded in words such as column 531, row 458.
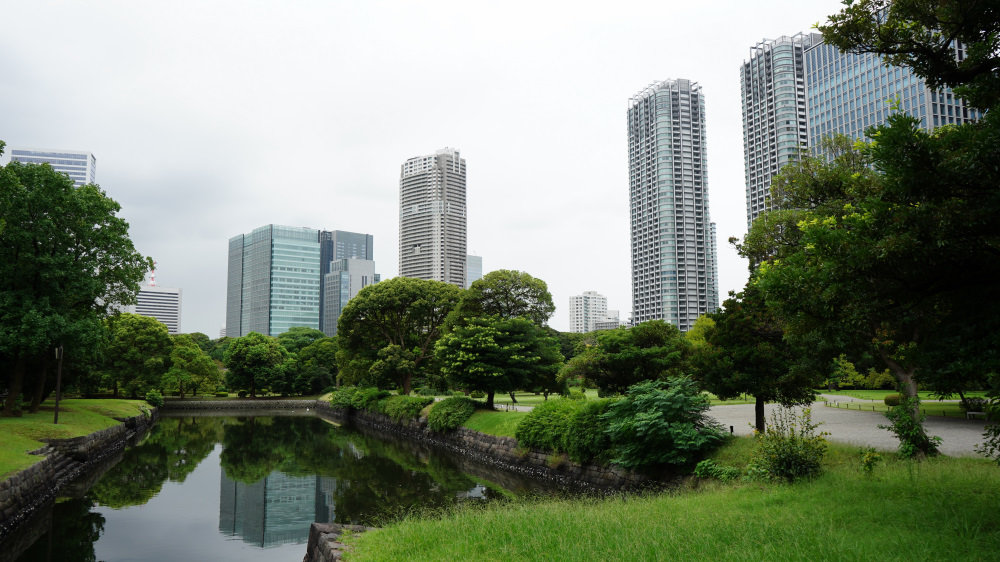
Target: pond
column 248, row 488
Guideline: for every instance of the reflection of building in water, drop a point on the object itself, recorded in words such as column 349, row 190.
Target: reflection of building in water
column 277, row 509
column 477, row 492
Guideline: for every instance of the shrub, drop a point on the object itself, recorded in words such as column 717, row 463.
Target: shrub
column 879, row 380
column 870, row 457
column 477, row 394
column 450, row 413
column 457, row 393
column 790, row 448
column 221, row 394
column 891, row 400
column 661, row 423
column 342, row 397
column 586, row 436
column 242, row 394
column 426, row 392
column 546, row 426
column 154, row 398
column 708, row 468
column 913, row 440
column 401, row 408
column 577, row 395
column 975, row 404
column 368, row 398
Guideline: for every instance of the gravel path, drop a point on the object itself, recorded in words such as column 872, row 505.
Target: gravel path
column 959, row 437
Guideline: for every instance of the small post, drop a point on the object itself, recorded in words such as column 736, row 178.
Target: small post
column 59, row 358
column 731, row 430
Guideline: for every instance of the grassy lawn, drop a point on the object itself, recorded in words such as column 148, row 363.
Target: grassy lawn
column 530, row 399
column 931, row 408
column 77, row 416
column 937, row 509
column 925, row 395
column 501, row 424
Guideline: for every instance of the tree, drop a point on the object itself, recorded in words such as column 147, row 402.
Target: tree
column 190, row 367
column 298, row 337
column 65, row 261
column 745, row 353
column 403, row 312
column 898, row 261
column 493, row 354
column 316, row 366
column 254, row 361
column 652, row 350
column 506, row 294
column 137, row 354
column 922, row 35
column 202, row 341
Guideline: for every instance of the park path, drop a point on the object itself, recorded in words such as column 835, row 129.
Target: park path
column 959, row 436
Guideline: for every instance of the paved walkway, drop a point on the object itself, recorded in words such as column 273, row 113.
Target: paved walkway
column 959, row 436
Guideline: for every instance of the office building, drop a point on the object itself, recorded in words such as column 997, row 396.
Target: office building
column 277, row 509
column 80, row 166
column 161, row 303
column 276, row 277
column 432, row 220
column 610, row 322
column 773, row 91
column 585, row 310
column 799, row 90
column 346, row 277
column 847, row 93
column 473, row 269
column 673, row 258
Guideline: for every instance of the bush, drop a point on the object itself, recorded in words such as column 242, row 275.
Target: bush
column 546, row 426
column 586, row 436
column 368, row 398
column 221, row 394
column 891, row 400
column 708, row 468
column 242, row 394
column 975, row 404
column 457, row 393
column 342, row 397
column 154, row 398
column 401, row 408
column 577, row 395
column 477, row 394
column 426, row 392
column 913, row 440
column 661, row 423
column 450, row 413
column 790, row 448
column 879, row 380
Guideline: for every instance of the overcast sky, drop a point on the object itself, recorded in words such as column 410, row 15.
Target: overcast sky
column 209, row 119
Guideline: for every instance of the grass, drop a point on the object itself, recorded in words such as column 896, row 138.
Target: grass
column 925, row 395
column 77, row 416
column 501, row 424
column 938, row 509
column 531, row 399
column 941, row 409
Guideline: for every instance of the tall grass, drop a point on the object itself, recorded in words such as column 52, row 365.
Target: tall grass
column 941, row 508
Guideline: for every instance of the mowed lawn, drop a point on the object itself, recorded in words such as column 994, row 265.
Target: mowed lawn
column 939, row 509
column 77, row 416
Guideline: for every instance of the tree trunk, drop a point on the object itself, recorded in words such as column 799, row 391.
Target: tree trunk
column 908, row 388
column 39, row 394
column 513, row 400
column 489, row 400
column 16, row 384
column 407, row 380
column 758, row 413
column 114, row 390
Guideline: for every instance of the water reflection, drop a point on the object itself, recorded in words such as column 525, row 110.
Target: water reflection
column 275, row 476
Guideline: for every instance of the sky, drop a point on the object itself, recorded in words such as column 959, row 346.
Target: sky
column 210, row 119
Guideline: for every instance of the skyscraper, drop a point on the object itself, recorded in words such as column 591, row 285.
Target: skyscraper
column 337, row 245
column 473, row 269
column 341, row 284
column 772, row 86
column 432, row 221
column 161, row 303
column 586, row 310
column 80, row 166
column 673, row 258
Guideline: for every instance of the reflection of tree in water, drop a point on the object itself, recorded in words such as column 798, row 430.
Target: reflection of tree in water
column 173, row 448
column 74, row 536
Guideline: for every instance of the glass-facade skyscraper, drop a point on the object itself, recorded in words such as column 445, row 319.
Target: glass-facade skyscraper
column 432, row 220
column 276, row 276
column 80, row 166
column 341, row 284
column 673, row 255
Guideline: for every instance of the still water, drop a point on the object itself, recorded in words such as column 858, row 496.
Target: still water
column 248, row 488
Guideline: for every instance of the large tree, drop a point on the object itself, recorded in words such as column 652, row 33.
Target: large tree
column 402, row 312
column 137, row 353
column 190, row 367
column 652, row 350
column 298, row 337
column 507, row 294
column 744, row 352
column 254, row 361
column 66, row 260
column 492, row 354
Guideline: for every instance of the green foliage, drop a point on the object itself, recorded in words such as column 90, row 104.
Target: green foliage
column 870, row 458
column 254, row 361
column 652, row 350
column 506, row 294
column 878, row 380
column 190, row 368
column 586, row 438
column 477, row 394
column 315, row 366
column 450, row 413
column 907, row 423
column 974, row 404
column 154, row 398
column 137, row 353
column 426, row 392
column 546, row 426
column 845, row 375
column 790, row 448
column 891, row 399
column 661, row 423
column 710, row 469
column 401, row 408
column 403, row 312
column 298, row 337
column 991, row 442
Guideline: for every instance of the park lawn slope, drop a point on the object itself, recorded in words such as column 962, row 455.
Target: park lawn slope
column 77, row 417
column 499, row 423
column 941, row 509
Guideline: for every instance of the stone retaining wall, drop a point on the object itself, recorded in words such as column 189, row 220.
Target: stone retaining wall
column 324, row 541
column 65, row 460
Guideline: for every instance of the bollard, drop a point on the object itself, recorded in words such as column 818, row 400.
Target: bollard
column 731, row 430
